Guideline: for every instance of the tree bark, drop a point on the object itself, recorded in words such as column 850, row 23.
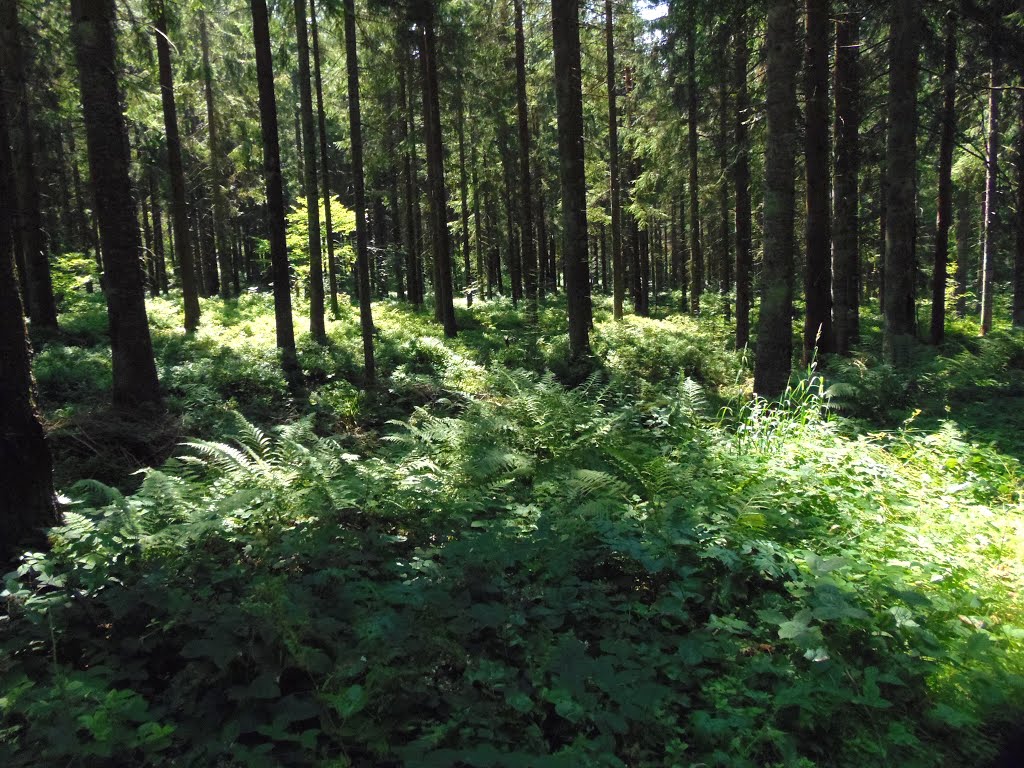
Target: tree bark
column 179, row 205
column 135, row 379
column 279, row 266
column 435, row 172
column 741, row 179
column 1018, row 256
column 526, row 230
column 944, row 214
column 964, row 227
column 696, row 248
column 775, row 333
column 724, row 208
column 217, row 171
column 28, row 503
column 317, row 327
column 565, row 26
column 818, row 274
column 464, row 198
column 29, row 233
column 988, row 256
column 901, row 170
column 356, row 135
column 406, row 130
column 846, row 201
column 615, row 194
column 325, row 168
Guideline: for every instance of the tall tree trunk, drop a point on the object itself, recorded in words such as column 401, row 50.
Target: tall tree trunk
column 741, row 179
column 464, row 198
column 988, row 256
column 818, row 274
column 846, row 223
column 964, row 229
column 529, row 249
column 944, row 215
column 775, row 332
column 325, row 168
column 135, row 379
column 217, row 172
column 724, row 244
column 29, row 232
column 1018, row 256
column 565, row 26
column 28, row 503
column 477, row 223
column 179, row 205
column 435, row 172
column 279, row 266
column 160, row 286
column 901, row 170
column 696, row 248
column 615, row 194
column 406, row 130
column 317, row 328
column 356, row 134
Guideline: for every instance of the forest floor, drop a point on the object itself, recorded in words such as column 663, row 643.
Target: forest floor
column 477, row 565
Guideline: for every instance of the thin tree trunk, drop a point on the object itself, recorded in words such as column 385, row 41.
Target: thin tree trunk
column 818, row 274
column 179, row 206
column 901, row 174
column 741, row 179
column 356, row 134
column 775, row 333
column 529, row 249
column 435, row 173
column 158, row 235
column 696, row 248
column 1018, row 256
column 325, row 168
column 944, row 215
column 477, row 224
column 317, row 327
column 846, row 223
column 964, row 228
column 406, row 130
column 28, row 503
column 988, row 256
column 217, row 171
column 135, row 379
column 618, row 278
column 565, row 25
column 724, row 244
column 464, row 199
column 279, row 266
column 29, row 232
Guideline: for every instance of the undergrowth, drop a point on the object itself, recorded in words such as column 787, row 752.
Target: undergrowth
column 483, row 567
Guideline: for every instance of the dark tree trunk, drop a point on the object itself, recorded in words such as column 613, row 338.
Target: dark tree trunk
column 406, row 130
column 325, row 168
column 818, row 274
column 988, row 256
column 901, row 181
column 179, row 205
column 775, row 333
column 135, row 379
column 944, row 215
column 696, row 248
column 964, row 227
column 158, row 235
column 28, row 503
column 529, row 252
column 1018, row 256
column 724, row 210
column 565, row 25
column 741, row 178
column 464, row 200
column 356, row 134
column 317, row 328
column 846, row 224
column 275, row 196
column 217, row 172
column 477, row 224
column 435, row 172
column 29, row 233
column 618, row 277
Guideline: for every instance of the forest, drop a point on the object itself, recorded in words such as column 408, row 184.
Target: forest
column 461, row 384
